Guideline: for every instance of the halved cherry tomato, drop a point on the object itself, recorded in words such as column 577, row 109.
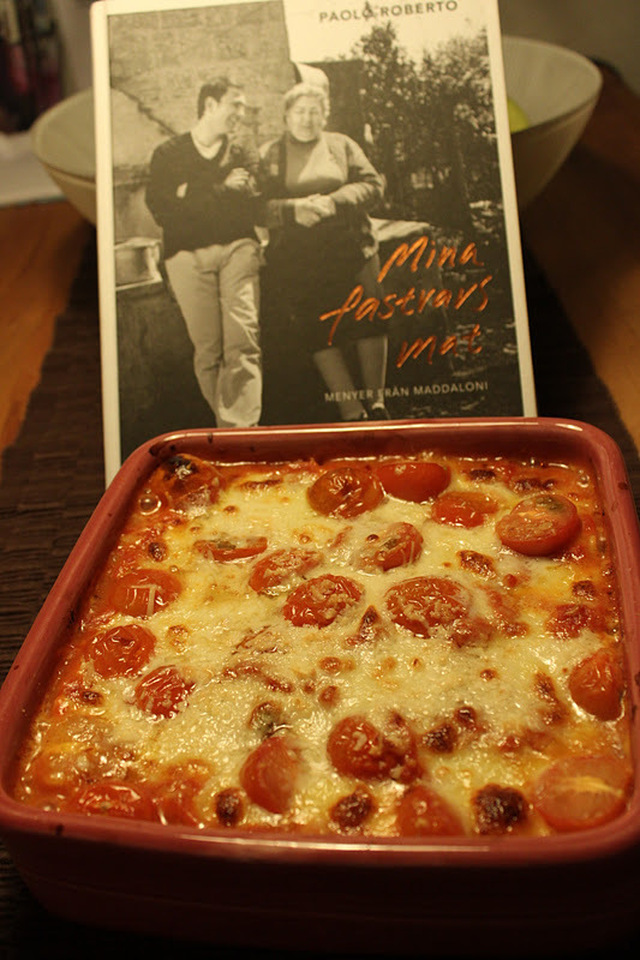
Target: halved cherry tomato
column 345, row 491
column 597, row 684
column 319, row 601
column 174, row 797
column 570, row 619
column 186, row 481
column 270, row 774
column 121, row 651
column 56, row 768
column 463, row 509
column 539, row 525
column 113, row 799
column 356, row 748
column 138, row 548
column 423, row 604
column 162, row 691
column 140, row 593
column 399, row 544
column 582, row 792
column 413, row 480
column 226, row 549
column 422, row 812
column 275, row 571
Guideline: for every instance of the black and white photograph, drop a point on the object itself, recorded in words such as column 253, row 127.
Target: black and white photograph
column 307, row 214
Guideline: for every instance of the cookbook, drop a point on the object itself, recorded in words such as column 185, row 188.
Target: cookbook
column 306, row 214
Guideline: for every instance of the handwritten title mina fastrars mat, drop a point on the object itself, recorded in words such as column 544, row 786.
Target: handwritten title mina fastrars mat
column 366, row 162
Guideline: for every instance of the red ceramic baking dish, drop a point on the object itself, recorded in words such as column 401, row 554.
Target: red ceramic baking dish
column 486, row 894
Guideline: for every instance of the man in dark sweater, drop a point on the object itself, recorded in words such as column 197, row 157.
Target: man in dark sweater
column 201, row 191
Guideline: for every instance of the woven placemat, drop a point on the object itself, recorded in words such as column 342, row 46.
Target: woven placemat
column 53, row 477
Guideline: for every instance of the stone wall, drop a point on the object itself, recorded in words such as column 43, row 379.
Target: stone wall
column 159, row 61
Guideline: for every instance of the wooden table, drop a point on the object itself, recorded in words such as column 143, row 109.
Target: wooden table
column 40, row 249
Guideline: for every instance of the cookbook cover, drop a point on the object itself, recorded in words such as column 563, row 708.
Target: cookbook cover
column 306, row 214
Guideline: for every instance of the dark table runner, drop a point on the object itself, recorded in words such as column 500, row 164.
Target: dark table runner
column 52, row 479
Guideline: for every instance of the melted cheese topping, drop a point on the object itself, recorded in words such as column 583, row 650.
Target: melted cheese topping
column 494, row 709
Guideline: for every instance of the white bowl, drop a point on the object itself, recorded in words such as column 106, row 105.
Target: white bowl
column 62, row 139
column 556, row 87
